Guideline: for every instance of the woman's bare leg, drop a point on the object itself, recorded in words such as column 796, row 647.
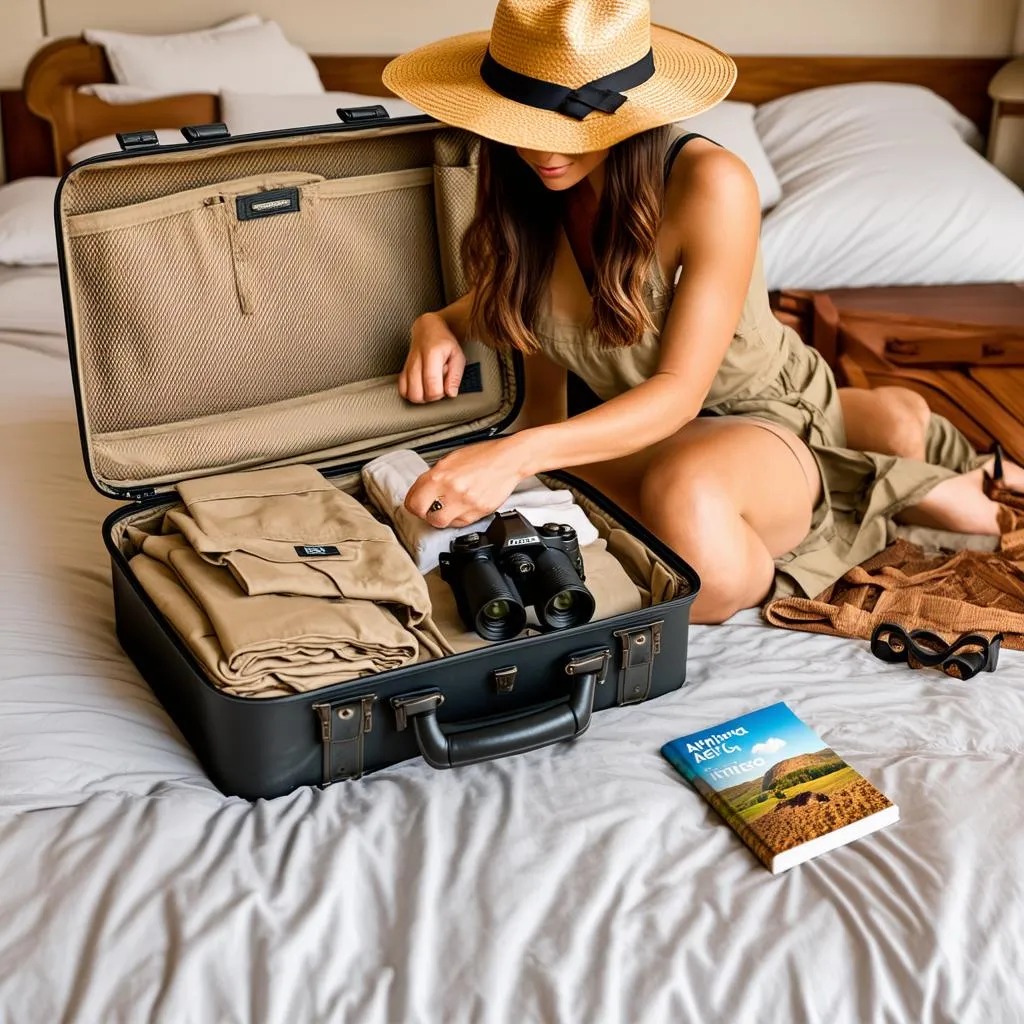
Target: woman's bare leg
column 893, row 421
column 728, row 495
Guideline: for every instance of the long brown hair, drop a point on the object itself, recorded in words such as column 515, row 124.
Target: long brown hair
column 509, row 249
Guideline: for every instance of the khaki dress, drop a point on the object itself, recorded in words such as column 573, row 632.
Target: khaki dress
column 769, row 374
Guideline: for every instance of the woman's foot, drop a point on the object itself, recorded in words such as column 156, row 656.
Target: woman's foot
column 963, row 504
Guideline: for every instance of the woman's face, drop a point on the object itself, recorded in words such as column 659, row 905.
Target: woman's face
column 560, row 171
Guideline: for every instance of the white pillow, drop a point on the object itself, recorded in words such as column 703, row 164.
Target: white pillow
column 27, row 233
column 244, row 112
column 110, row 92
column 249, row 58
column 731, row 125
column 109, row 144
column 882, row 186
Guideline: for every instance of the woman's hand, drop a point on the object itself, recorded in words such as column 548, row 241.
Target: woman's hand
column 433, row 368
column 469, row 483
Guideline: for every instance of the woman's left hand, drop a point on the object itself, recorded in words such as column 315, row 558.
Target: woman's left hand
column 469, row 484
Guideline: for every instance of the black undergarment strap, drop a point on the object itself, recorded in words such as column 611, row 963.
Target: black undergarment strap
column 676, row 148
column 604, row 94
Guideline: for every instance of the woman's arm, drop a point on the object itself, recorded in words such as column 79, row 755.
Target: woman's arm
column 713, row 205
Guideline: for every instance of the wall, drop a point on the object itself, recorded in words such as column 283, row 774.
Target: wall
column 953, row 27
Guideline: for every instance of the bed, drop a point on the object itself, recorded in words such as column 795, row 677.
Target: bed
column 583, row 883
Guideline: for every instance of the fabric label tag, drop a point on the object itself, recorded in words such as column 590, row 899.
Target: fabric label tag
column 267, row 204
column 315, row 550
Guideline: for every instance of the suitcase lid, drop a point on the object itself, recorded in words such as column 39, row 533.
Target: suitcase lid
column 234, row 303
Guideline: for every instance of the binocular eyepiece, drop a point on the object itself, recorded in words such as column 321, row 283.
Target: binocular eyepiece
column 495, row 576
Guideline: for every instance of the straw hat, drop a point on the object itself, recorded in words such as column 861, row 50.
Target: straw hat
column 564, row 76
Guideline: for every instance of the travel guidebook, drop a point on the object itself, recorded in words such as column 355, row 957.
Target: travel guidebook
column 786, row 794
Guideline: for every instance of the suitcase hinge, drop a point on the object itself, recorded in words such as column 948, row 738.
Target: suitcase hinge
column 636, row 673
column 594, row 661
column 342, row 728
column 413, row 705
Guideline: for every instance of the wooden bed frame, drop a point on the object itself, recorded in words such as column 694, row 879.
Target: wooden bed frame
column 48, row 118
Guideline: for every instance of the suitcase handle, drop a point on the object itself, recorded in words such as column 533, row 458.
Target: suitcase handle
column 447, row 746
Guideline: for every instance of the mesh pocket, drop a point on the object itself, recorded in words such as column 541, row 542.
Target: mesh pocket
column 183, row 310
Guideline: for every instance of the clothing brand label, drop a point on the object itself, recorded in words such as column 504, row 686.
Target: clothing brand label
column 267, row 204
column 315, row 550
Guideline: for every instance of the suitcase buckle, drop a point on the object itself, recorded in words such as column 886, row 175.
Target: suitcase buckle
column 636, row 673
column 343, row 725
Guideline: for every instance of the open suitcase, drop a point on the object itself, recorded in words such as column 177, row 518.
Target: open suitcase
column 240, row 303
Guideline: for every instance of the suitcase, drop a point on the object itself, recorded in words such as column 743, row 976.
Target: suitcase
column 238, row 303
column 961, row 347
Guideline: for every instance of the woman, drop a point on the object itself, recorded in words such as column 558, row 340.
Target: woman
column 720, row 430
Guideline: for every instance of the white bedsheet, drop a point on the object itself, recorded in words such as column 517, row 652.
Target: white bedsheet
column 583, row 883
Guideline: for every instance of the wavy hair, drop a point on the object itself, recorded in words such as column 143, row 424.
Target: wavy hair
column 509, row 248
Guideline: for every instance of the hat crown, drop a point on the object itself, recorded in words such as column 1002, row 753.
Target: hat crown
column 571, row 42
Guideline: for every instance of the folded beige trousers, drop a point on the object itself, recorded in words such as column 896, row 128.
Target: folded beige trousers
column 289, row 531
column 269, row 644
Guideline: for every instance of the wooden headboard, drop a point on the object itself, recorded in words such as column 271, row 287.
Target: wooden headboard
column 49, row 117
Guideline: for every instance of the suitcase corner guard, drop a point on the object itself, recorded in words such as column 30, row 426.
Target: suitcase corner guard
column 448, row 746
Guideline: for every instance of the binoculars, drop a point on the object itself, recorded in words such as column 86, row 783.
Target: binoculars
column 496, row 575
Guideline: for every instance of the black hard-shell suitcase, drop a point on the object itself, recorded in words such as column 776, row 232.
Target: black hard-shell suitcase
column 234, row 303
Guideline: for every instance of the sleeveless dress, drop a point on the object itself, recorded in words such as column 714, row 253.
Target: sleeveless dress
column 769, row 374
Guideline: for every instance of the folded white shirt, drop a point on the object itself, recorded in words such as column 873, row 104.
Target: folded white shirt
column 389, row 478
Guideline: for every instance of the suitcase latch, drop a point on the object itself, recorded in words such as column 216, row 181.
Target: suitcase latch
column 505, row 679
column 137, row 140
column 357, row 115
column 342, row 728
column 204, row 132
column 636, row 673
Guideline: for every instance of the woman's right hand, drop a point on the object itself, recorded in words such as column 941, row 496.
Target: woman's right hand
column 433, row 368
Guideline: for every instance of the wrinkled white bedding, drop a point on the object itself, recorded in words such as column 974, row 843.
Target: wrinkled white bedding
column 584, row 883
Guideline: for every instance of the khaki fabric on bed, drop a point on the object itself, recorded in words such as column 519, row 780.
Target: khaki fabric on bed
column 947, row 593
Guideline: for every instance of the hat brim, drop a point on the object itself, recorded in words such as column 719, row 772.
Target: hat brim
column 443, row 79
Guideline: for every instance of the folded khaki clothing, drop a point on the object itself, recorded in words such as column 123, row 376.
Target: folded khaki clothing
column 290, row 531
column 269, row 644
column 614, row 594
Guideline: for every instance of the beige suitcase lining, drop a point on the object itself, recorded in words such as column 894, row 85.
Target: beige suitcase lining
column 207, row 342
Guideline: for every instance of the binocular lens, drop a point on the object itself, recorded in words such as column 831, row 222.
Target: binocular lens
column 497, row 611
column 562, row 601
column 493, row 605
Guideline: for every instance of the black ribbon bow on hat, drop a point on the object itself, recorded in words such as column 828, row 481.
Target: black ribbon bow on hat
column 603, row 94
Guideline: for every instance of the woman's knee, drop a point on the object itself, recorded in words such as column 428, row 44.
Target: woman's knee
column 906, row 415
column 696, row 518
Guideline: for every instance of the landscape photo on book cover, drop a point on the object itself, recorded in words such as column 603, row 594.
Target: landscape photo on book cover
column 776, row 776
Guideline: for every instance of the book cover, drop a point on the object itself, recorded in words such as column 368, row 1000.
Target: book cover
column 786, row 793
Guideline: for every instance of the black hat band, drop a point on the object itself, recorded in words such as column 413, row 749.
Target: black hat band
column 604, row 94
